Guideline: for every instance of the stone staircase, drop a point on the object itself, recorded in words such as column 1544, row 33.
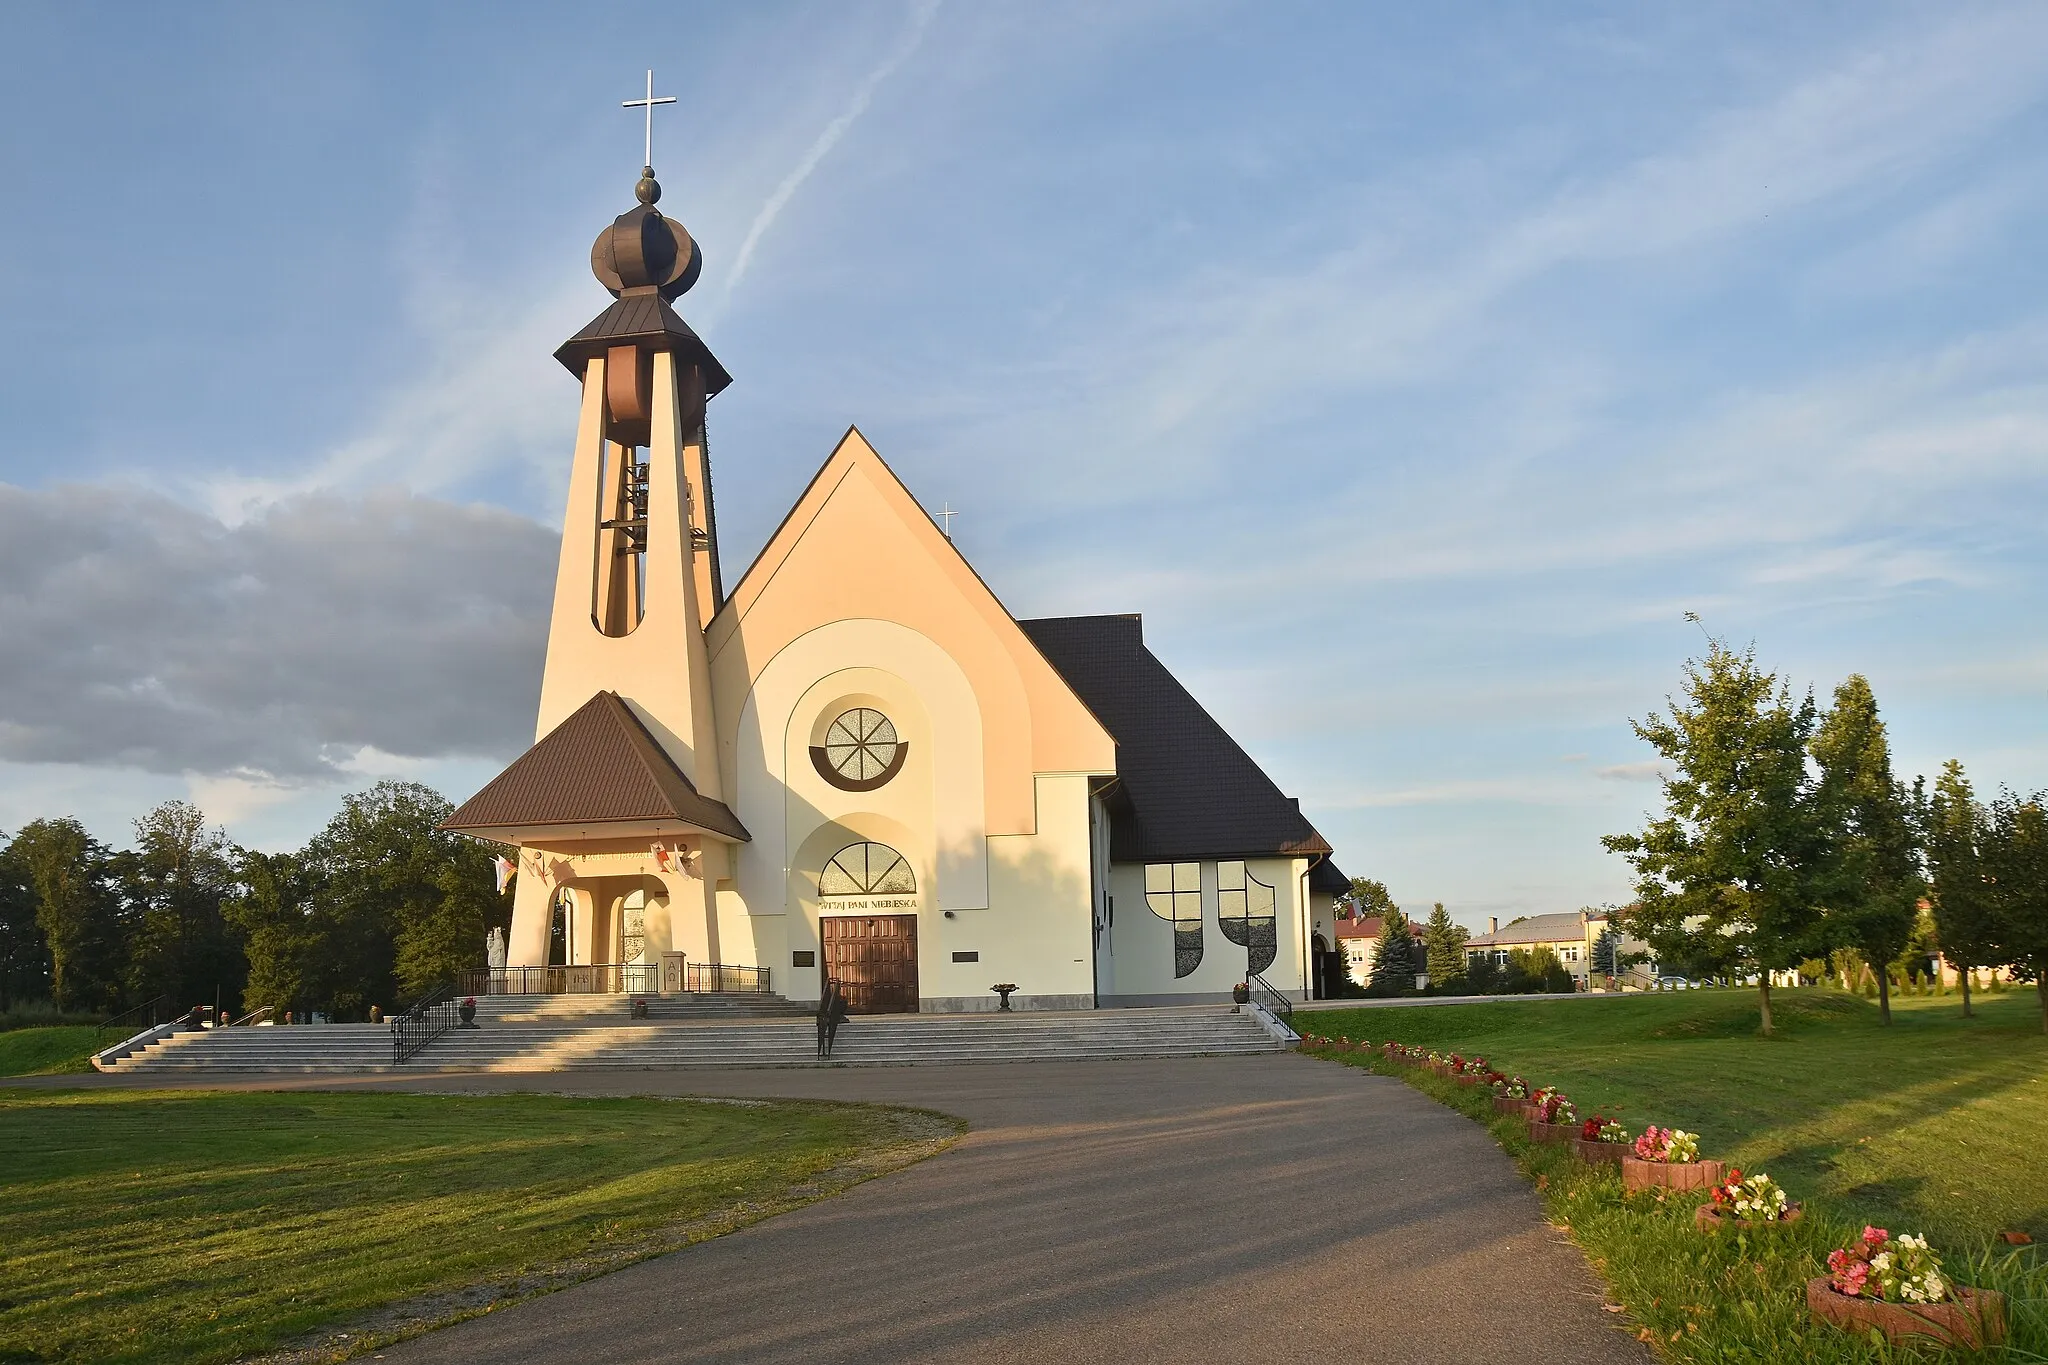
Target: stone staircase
column 587, row 1044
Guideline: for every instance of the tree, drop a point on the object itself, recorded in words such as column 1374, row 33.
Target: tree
column 1607, row 952
column 1369, row 898
column 1726, row 876
column 1542, row 970
column 1394, row 963
column 2016, row 868
column 1871, row 878
column 1952, row 832
column 280, row 937
column 396, row 900
column 24, row 953
column 174, row 883
column 1443, row 946
column 67, row 870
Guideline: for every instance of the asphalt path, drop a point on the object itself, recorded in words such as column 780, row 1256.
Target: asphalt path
column 1247, row 1208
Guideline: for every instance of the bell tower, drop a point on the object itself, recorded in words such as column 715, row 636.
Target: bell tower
column 638, row 576
column 618, row 809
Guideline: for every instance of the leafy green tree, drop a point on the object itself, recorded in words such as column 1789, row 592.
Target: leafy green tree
column 1443, row 945
column 1395, row 957
column 1871, row 879
column 1543, row 970
column 2016, row 867
column 1369, row 898
column 174, row 883
column 67, row 870
column 1953, row 830
column 24, row 954
column 399, row 904
column 1726, row 877
column 281, row 937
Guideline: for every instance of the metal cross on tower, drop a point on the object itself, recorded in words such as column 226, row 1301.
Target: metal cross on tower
column 948, row 513
column 649, row 104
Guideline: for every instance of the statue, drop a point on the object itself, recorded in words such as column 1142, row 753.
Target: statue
column 494, row 950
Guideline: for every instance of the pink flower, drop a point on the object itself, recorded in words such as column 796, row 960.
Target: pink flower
column 1875, row 1237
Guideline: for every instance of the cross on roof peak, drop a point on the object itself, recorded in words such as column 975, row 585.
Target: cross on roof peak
column 648, row 103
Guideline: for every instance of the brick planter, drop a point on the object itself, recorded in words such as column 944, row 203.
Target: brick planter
column 1709, row 1218
column 1975, row 1319
column 1602, row 1153
column 1540, row 1131
column 1512, row 1108
column 1463, row 1079
column 1637, row 1174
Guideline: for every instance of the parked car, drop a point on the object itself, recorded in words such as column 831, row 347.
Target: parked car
column 1676, row 983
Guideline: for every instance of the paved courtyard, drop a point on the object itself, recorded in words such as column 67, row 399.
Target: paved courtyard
column 1250, row 1208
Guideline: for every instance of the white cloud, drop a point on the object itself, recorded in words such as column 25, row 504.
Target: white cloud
column 270, row 653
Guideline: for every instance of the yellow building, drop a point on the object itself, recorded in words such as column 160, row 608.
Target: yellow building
column 1571, row 936
column 856, row 764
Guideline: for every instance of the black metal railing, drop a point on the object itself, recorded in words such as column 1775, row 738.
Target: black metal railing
column 120, row 1027
column 598, row 978
column 719, row 978
column 1263, row 992
column 422, row 1024
column 613, row 978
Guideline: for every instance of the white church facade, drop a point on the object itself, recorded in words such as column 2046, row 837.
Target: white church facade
column 856, row 764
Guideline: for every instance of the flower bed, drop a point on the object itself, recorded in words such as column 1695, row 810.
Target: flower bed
column 1745, row 1202
column 1602, row 1141
column 1895, row 1285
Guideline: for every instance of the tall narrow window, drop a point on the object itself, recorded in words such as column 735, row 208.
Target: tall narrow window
column 1174, row 893
column 1244, row 911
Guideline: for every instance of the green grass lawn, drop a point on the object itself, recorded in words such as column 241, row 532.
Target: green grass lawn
column 199, row 1226
column 48, row 1051
column 1936, row 1125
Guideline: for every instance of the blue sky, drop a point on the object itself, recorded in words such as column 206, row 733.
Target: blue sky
column 1413, row 371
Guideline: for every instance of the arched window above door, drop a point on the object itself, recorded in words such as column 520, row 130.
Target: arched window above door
column 867, row 869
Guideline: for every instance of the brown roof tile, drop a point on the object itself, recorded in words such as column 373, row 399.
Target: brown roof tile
column 642, row 317
column 597, row 766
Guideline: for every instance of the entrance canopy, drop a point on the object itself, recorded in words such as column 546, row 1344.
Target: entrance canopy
column 598, row 767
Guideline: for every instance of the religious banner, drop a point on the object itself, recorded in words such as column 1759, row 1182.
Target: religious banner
column 507, row 869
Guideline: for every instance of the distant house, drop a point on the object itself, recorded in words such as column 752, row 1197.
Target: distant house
column 1358, row 941
column 1570, row 935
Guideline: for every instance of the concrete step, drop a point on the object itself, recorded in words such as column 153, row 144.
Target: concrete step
column 579, row 1044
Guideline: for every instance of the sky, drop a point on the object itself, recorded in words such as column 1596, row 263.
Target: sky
column 1413, row 370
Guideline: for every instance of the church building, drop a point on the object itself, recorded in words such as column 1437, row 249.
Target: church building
column 855, row 764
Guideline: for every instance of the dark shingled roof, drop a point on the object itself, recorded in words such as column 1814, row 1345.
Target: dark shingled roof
column 1187, row 790
column 642, row 317
column 1325, row 877
column 597, row 766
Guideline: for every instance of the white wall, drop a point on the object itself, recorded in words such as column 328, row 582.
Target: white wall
column 1138, row 950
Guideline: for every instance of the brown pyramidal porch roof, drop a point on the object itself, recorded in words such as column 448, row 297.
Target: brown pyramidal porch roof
column 599, row 765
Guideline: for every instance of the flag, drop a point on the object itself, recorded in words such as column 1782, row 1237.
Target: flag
column 507, row 869
column 662, row 858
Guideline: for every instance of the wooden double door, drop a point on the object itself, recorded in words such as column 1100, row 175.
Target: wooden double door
column 874, row 960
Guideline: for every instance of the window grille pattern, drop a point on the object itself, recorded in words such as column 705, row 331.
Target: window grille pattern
column 1173, row 891
column 1244, row 911
column 867, row 869
column 861, row 745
